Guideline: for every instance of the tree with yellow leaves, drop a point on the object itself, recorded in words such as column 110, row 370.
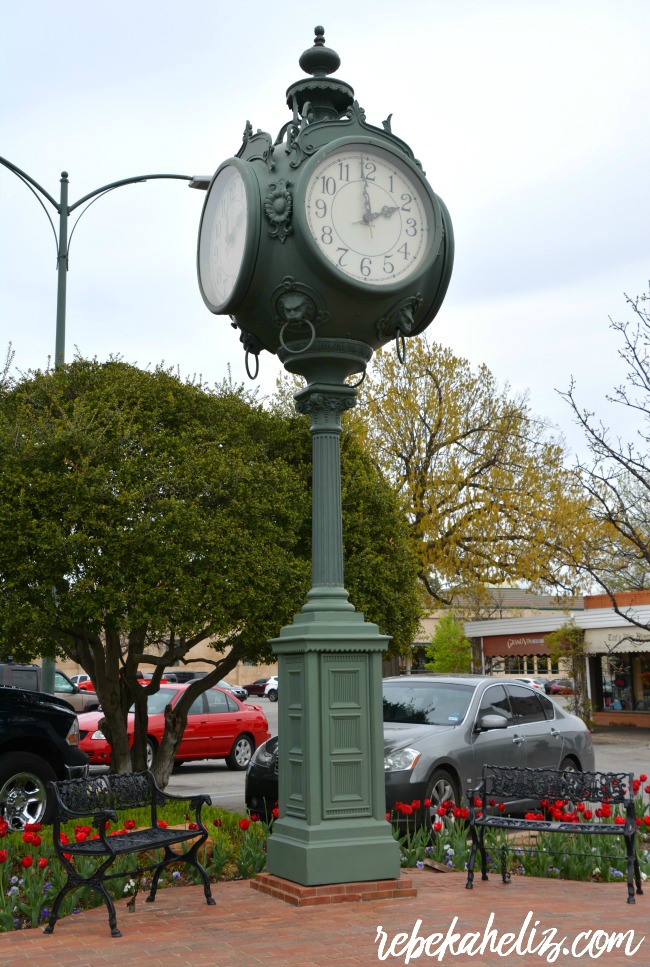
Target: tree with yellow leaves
column 489, row 497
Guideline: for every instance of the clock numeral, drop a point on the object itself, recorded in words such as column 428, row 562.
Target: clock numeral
column 370, row 167
column 411, row 226
column 341, row 257
column 403, row 249
column 390, row 184
column 326, row 235
column 344, row 171
column 329, row 185
column 321, row 208
column 388, row 265
column 365, row 266
column 407, row 199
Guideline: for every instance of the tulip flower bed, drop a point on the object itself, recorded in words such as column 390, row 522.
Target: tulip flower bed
column 446, row 842
column 31, row 875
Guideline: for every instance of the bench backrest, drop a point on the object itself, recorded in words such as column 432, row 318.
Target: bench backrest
column 508, row 782
column 124, row 791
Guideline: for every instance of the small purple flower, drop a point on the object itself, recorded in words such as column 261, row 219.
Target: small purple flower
column 420, row 865
column 176, row 875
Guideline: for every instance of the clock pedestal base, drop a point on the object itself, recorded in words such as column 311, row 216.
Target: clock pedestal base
column 332, row 826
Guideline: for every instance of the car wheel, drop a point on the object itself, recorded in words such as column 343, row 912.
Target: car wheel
column 241, row 753
column 273, row 695
column 441, row 788
column 23, row 789
column 151, row 752
column 569, row 765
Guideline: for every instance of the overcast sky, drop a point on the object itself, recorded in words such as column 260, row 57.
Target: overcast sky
column 530, row 118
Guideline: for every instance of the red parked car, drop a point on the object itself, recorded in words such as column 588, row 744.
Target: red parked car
column 219, row 726
column 561, row 686
column 257, row 687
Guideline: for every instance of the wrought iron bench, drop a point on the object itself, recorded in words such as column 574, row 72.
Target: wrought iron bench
column 510, row 783
column 103, row 798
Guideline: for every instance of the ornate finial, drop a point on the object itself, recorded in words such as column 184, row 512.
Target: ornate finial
column 326, row 98
column 319, row 60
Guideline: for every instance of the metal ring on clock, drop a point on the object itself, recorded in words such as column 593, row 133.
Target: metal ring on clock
column 296, row 352
column 358, row 382
column 257, row 365
column 400, row 343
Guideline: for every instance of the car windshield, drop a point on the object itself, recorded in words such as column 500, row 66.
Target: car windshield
column 426, row 703
column 156, row 703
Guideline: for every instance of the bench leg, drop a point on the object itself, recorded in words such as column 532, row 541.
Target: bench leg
column 505, row 876
column 472, row 859
column 481, row 846
column 637, row 875
column 93, row 882
column 56, row 906
column 630, row 843
column 168, row 858
column 477, row 845
column 192, row 858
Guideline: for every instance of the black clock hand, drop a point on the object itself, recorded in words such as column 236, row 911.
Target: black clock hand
column 385, row 212
column 232, row 234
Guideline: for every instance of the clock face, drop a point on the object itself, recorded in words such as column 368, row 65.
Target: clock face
column 369, row 215
column 222, row 237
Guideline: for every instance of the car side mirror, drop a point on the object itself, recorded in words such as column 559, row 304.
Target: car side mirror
column 488, row 722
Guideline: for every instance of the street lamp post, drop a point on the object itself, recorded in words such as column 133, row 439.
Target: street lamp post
column 64, row 210
column 322, row 245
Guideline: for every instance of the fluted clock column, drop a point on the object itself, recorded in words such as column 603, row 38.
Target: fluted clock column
column 332, row 826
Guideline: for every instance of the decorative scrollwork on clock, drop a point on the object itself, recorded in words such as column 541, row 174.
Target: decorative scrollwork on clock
column 278, row 207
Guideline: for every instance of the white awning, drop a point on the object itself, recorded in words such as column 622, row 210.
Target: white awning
column 599, row 641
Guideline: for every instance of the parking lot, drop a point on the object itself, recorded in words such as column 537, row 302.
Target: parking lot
column 617, row 749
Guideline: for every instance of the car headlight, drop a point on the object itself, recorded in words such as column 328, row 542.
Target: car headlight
column 262, row 756
column 401, row 759
column 98, row 735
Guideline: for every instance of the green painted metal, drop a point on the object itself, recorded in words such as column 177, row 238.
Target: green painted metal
column 331, row 244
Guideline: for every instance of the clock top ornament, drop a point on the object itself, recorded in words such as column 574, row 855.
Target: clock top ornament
column 326, row 236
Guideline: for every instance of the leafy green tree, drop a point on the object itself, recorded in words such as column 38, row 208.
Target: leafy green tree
column 488, row 496
column 450, row 651
column 141, row 515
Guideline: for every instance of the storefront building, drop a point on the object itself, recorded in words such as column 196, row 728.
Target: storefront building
column 617, row 653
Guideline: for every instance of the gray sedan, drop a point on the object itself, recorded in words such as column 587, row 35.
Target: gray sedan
column 439, row 732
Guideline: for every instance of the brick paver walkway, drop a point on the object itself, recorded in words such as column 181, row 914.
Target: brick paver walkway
column 248, row 929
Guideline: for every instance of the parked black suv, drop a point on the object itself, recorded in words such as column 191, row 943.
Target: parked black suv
column 39, row 742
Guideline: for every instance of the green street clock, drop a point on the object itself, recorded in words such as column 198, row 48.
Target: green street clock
column 330, row 230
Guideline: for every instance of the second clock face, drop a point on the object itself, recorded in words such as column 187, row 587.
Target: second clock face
column 369, row 215
column 222, row 238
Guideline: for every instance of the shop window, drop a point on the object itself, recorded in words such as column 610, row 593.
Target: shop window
column 515, row 665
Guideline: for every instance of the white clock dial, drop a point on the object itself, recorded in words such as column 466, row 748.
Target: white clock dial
column 222, row 239
column 369, row 215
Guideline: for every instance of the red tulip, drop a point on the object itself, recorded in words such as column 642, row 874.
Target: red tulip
column 27, row 861
column 244, row 823
column 42, row 863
